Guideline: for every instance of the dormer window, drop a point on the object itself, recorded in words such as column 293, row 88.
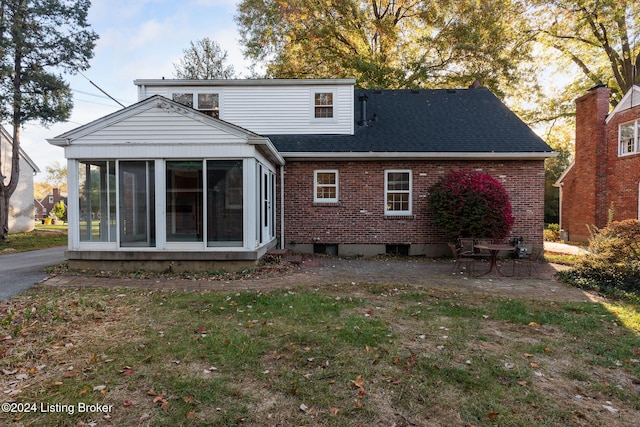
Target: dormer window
column 205, row 102
column 323, row 105
column 628, row 138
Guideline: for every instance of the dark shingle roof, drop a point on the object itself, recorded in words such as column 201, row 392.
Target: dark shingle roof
column 425, row 121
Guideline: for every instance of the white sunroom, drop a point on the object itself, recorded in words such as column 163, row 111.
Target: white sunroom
column 158, row 185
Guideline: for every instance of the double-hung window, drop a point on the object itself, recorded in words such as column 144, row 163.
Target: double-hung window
column 397, row 192
column 205, row 102
column 323, row 105
column 325, row 186
column 628, row 138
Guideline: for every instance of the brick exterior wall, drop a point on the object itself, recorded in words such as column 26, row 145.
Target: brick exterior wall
column 599, row 179
column 358, row 218
column 623, row 172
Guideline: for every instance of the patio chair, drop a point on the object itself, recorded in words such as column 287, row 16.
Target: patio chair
column 468, row 248
column 530, row 260
column 460, row 263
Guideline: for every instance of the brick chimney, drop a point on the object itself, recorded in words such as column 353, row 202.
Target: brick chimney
column 590, row 153
column 56, row 195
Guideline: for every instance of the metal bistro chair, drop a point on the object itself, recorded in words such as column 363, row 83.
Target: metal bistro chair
column 468, row 249
column 530, row 259
column 460, row 263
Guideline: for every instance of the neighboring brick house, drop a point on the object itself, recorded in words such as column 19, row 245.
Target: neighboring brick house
column 21, row 217
column 44, row 206
column 206, row 171
column 603, row 182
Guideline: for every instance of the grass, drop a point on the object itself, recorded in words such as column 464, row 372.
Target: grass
column 42, row 237
column 343, row 355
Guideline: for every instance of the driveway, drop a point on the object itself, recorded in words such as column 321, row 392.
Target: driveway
column 19, row 271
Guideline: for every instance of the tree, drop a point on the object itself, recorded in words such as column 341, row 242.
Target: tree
column 204, row 60
column 39, row 40
column 468, row 203
column 599, row 37
column 57, row 176
column 388, row 44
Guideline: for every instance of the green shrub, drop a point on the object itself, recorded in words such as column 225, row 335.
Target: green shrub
column 552, row 232
column 467, row 203
column 614, row 263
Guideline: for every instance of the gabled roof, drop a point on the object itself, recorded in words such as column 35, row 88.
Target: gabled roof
column 434, row 123
column 157, row 101
column 5, row 135
column 629, row 100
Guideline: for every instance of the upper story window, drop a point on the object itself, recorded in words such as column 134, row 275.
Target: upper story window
column 323, row 105
column 325, row 186
column 206, row 102
column 628, row 142
column 397, row 192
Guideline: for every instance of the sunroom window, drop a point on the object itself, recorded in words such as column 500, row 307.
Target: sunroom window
column 97, row 201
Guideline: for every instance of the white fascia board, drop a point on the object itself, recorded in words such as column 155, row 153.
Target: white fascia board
column 419, row 156
column 242, row 82
column 268, row 149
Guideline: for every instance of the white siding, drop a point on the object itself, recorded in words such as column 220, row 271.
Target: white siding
column 158, row 125
column 274, row 109
column 21, row 208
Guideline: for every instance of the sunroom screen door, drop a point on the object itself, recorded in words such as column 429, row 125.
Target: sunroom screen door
column 137, row 204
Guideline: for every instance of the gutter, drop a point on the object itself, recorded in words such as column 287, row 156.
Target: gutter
column 376, row 155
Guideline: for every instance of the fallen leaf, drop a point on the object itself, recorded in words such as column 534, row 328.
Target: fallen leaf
column 188, row 399
column 151, row 393
column 493, row 415
column 127, row 403
column 191, row 415
column 99, row 388
column 334, row 411
column 527, row 355
column 57, row 383
column 533, row 324
column 534, row 365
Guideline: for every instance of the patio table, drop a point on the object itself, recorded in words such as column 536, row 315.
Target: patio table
column 493, row 261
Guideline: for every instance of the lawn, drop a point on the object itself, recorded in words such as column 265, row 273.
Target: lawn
column 42, row 237
column 341, row 355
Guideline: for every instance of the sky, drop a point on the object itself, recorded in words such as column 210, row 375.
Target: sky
column 139, row 39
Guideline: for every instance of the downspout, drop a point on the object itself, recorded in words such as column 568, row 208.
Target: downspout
column 281, row 206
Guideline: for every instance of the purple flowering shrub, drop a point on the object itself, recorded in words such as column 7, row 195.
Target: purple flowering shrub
column 467, row 203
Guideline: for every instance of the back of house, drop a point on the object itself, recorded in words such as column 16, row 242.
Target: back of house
column 206, row 172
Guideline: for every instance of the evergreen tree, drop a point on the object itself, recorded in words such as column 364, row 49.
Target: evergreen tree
column 39, row 40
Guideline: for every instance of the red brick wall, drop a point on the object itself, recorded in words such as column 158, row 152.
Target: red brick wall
column 359, row 216
column 623, row 172
column 583, row 187
column 600, row 179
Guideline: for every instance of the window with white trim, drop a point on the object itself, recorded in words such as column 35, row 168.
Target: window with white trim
column 323, row 105
column 397, row 192
column 205, row 102
column 325, row 186
column 628, row 135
